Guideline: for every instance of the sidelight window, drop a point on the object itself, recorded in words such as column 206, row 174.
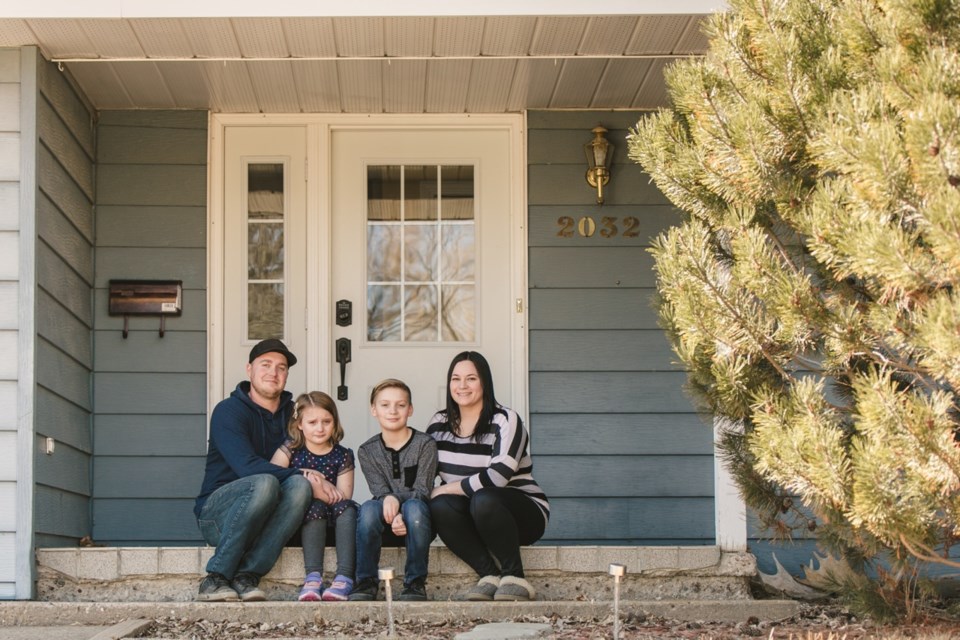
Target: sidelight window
column 266, row 207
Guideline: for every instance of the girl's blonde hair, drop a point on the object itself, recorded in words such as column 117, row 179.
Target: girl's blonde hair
column 313, row 399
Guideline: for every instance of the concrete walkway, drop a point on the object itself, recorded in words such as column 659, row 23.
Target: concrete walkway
column 37, row 614
column 125, row 629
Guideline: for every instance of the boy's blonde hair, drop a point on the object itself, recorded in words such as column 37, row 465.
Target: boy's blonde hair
column 390, row 383
column 313, row 399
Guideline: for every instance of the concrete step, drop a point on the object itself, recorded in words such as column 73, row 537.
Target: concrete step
column 559, row 573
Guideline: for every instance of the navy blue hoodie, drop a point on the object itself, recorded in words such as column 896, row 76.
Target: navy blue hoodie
column 243, row 438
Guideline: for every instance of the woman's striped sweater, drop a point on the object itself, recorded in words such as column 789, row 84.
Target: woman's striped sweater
column 498, row 459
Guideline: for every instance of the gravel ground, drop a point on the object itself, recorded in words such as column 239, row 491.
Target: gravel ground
column 813, row 623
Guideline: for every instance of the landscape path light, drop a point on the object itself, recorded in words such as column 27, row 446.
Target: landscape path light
column 617, row 571
column 387, row 575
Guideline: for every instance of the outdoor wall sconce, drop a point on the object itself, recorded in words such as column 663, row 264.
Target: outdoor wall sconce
column 599, row 153
column 145, row 298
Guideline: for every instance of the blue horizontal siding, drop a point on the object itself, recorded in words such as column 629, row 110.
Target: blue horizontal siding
column 618, row 445
column 150, row 408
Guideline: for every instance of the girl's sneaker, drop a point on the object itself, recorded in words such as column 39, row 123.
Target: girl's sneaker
column 311, row 589
column 339, row 589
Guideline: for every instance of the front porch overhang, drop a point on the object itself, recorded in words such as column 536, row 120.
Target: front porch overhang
column 364, row 57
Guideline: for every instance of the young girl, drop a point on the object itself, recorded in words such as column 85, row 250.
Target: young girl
column 314, row 435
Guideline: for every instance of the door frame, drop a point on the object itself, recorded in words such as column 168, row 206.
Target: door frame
column 319, row 318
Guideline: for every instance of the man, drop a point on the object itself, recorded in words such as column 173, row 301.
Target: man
column 247, row 507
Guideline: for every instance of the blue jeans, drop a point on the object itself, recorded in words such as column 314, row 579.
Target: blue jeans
column 249, row 521
column 373, row 533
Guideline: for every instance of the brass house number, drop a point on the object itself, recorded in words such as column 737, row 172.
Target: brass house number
column 610, row 227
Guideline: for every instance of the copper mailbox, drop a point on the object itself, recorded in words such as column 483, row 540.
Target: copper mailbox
column 145, row 298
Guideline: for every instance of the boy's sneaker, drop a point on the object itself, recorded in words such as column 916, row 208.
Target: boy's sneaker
column 216, row 588
column 312, row 586
column 415, row 590
column 247, row 587
column 365, row 591
column 339, row 589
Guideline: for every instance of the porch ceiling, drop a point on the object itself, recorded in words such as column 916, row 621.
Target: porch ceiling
column 409, row 64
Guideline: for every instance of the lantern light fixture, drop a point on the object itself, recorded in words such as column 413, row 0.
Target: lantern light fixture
column 599, row 153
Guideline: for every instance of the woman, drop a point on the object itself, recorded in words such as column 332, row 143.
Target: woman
column 488, row 504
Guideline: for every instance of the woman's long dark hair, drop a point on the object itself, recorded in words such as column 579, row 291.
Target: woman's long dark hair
column 484, row 422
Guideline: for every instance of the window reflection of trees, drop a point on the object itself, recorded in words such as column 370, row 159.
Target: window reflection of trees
column 265, row 250
column 264, row 311
column 421, row 247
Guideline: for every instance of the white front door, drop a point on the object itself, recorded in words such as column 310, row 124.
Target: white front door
column 414, row 229
column 421, row 252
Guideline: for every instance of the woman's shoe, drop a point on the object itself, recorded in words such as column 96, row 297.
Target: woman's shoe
column 514, row 588
column 312, row 588
column 484, row 590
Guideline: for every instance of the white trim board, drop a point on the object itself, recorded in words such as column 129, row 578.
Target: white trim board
column 730, row 510
column 26, row 376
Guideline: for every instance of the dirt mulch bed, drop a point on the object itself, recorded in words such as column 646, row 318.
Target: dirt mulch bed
column 814, row 622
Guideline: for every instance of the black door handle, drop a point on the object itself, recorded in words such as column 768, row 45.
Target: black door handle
column 343, row 357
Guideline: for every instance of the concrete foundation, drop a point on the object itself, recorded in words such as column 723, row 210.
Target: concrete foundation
column 172, row 574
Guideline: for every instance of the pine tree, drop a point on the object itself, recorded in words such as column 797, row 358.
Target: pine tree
column 812, row 287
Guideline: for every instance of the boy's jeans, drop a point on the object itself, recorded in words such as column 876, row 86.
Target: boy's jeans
column 373, row 533
column 249, row 521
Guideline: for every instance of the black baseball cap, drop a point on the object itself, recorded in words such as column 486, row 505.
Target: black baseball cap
column 271, row 345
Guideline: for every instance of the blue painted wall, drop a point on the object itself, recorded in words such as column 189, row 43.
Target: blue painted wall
column 618, row 446
column 64, row 307
column 150, row 392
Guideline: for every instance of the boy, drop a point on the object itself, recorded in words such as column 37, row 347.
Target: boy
column 400, row 466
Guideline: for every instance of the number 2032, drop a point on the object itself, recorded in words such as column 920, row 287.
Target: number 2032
column 608, row 228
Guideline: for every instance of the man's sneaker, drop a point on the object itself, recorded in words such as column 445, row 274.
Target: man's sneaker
column 415, row 590
column 246, row 586
column 216, row 588
column 339, row 589
column 365, row 591
column 312, row 586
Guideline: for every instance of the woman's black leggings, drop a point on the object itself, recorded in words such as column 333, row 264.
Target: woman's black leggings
column 492, row 524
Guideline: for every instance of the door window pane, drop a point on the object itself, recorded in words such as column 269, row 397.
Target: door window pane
column 264, row 311
column 421, row 253
column 420, row 192
column 266, row 207
column 459, row 249
column 462, row 299
column 383, row 253
column 383, row 313
column 420, row 313
column 265, row 251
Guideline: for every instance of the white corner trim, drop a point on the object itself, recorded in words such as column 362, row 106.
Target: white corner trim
column 26, row 325
column 730, row 511
column 215, row 216
column 520, row 393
